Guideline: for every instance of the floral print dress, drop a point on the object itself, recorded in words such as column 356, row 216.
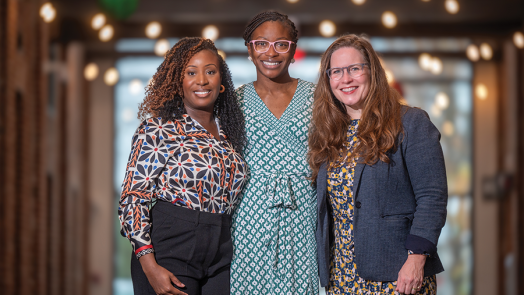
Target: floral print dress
column 344, row 278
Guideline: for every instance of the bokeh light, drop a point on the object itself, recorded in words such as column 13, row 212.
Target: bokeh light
column 161, row 47
column 327, row 28
column 389, row 19
column 424, row 61
column 48, row 12
column 111, row 76
column 481, row 91
column 210, row 32
column 98, row 21
column 518, row 39
column 485, row 51
column 452, row 6
column 91, row 71
column 153, row 30
column 472, row 51
column 106, row 33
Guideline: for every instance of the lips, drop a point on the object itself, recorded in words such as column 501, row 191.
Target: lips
column 349, row 90
column 202, row 93
column 271, row 64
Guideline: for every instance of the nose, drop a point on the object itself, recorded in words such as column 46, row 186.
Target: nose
column 345, row 76
column 201, row 78
column 271, row 50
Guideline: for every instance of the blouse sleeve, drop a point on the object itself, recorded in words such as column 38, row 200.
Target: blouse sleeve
column 148, row 157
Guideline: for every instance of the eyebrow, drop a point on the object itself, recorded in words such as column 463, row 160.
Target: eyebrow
column 279, row 38
column 192, row 66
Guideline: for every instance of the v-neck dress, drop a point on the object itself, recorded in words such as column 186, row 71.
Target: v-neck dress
column 274, row 224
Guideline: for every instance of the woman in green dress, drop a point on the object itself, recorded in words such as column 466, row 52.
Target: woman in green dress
column 274, row 225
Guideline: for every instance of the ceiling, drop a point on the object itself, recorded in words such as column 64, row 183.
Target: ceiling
column 415, row 17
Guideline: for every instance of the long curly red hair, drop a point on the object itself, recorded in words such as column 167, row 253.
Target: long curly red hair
column 380, row 123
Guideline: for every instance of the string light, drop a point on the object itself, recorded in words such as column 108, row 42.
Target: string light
column 210, row 32
column 389, row 19
column 424, row 61
column 472, row 51
column 518, row 39
column 327, row 28
column 481, row 91
column 99, row 20
column 436, row 66
column 452, row 6
column 91, row 71
column 135, row 86
column 161, row 47
column 442, row 100
column 111, row 76
column 485, row 51
column 48, row 12
column 153, row 30
column 106, row 33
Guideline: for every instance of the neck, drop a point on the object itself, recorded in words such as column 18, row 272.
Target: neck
column 201, row 116
column 354, row 113
column 276, row 84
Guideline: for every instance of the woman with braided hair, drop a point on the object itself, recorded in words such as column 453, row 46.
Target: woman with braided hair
column 185, row 155
column 274, row 224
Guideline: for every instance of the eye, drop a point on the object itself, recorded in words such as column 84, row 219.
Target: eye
column 211, row 72
column 190, row 73
column 355, row 69
column 335, row 71
column 261, row 43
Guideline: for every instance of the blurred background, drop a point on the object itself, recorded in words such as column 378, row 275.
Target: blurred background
column 72, row 74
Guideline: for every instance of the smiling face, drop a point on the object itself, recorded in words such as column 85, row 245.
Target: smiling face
column 201, row 82
column 350, row 91
column 271, row 64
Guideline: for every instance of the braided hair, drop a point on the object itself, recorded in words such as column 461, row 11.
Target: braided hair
column 269, row 16
column 165, row 91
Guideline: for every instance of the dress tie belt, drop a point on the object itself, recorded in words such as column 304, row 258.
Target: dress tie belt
column 280, row 199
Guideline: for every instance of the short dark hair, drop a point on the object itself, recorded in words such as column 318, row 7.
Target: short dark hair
column 269, row 16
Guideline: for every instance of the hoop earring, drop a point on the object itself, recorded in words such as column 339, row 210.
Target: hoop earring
column 250, row 59
column 222, row 88
column 293, row 60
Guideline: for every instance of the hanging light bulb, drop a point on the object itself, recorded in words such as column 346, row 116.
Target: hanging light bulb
column 327, row 28
column 436, row 66
column 99, row 20
column 91, row 71
column 518, row 39
column 48, row 12
column 424, row 61
column 452, row 6
column 210, row 32
column 111, row 76
column 485, row 51
column 389, row 19
column 135, row 86
column 161, row 47
column 481, row 91
column 106, row 33
column 442, row 100
column 472, row 51
column 153, row 30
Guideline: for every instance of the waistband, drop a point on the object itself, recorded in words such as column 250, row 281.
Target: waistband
column 195, row 216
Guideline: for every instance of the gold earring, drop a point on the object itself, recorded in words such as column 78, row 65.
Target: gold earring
column 222, row 88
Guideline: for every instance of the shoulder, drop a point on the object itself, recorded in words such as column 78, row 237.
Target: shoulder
column 242, row 92
column 306, row 89
column 156, row 126
column 411, row 115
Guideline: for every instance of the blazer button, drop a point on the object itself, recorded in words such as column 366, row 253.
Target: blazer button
column 358, row 204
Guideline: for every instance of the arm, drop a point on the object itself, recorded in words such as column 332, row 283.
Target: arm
column 425, row 165
column 146, row 161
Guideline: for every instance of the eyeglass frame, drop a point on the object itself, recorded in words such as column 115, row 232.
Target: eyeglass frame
column 347, row 70
column 271, row 44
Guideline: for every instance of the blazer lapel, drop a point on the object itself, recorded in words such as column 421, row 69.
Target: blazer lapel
column 356, row 180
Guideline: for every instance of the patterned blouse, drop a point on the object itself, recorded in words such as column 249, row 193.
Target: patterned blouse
column 344, row 278
column 178, row 162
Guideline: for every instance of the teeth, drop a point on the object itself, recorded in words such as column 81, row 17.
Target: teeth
column 349, row 89
column 271, row 63
column 202, row 93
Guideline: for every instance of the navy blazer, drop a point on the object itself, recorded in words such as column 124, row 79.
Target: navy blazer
column 398, row 206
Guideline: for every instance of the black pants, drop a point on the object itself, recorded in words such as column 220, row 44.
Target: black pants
column 195, row 246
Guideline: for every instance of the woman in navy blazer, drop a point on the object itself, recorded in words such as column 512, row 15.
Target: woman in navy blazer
column 380, row 176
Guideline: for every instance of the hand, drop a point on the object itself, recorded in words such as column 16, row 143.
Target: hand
column 160, row 278
column 411, row 275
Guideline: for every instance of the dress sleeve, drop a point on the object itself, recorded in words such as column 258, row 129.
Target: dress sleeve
column 148, row 158
column 427, row 172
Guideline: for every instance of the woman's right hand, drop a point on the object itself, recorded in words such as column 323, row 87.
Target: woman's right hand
column 160, row 278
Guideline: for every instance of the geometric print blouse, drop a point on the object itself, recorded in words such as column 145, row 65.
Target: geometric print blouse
column 178, row 162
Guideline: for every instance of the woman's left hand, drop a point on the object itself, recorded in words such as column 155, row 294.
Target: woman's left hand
column 411, row 275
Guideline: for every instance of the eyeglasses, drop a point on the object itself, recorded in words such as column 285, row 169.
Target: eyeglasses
column 354, row 70
column 262, row 46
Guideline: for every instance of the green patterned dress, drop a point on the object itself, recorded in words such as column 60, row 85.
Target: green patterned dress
column 344, row 278
column 274, row 224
